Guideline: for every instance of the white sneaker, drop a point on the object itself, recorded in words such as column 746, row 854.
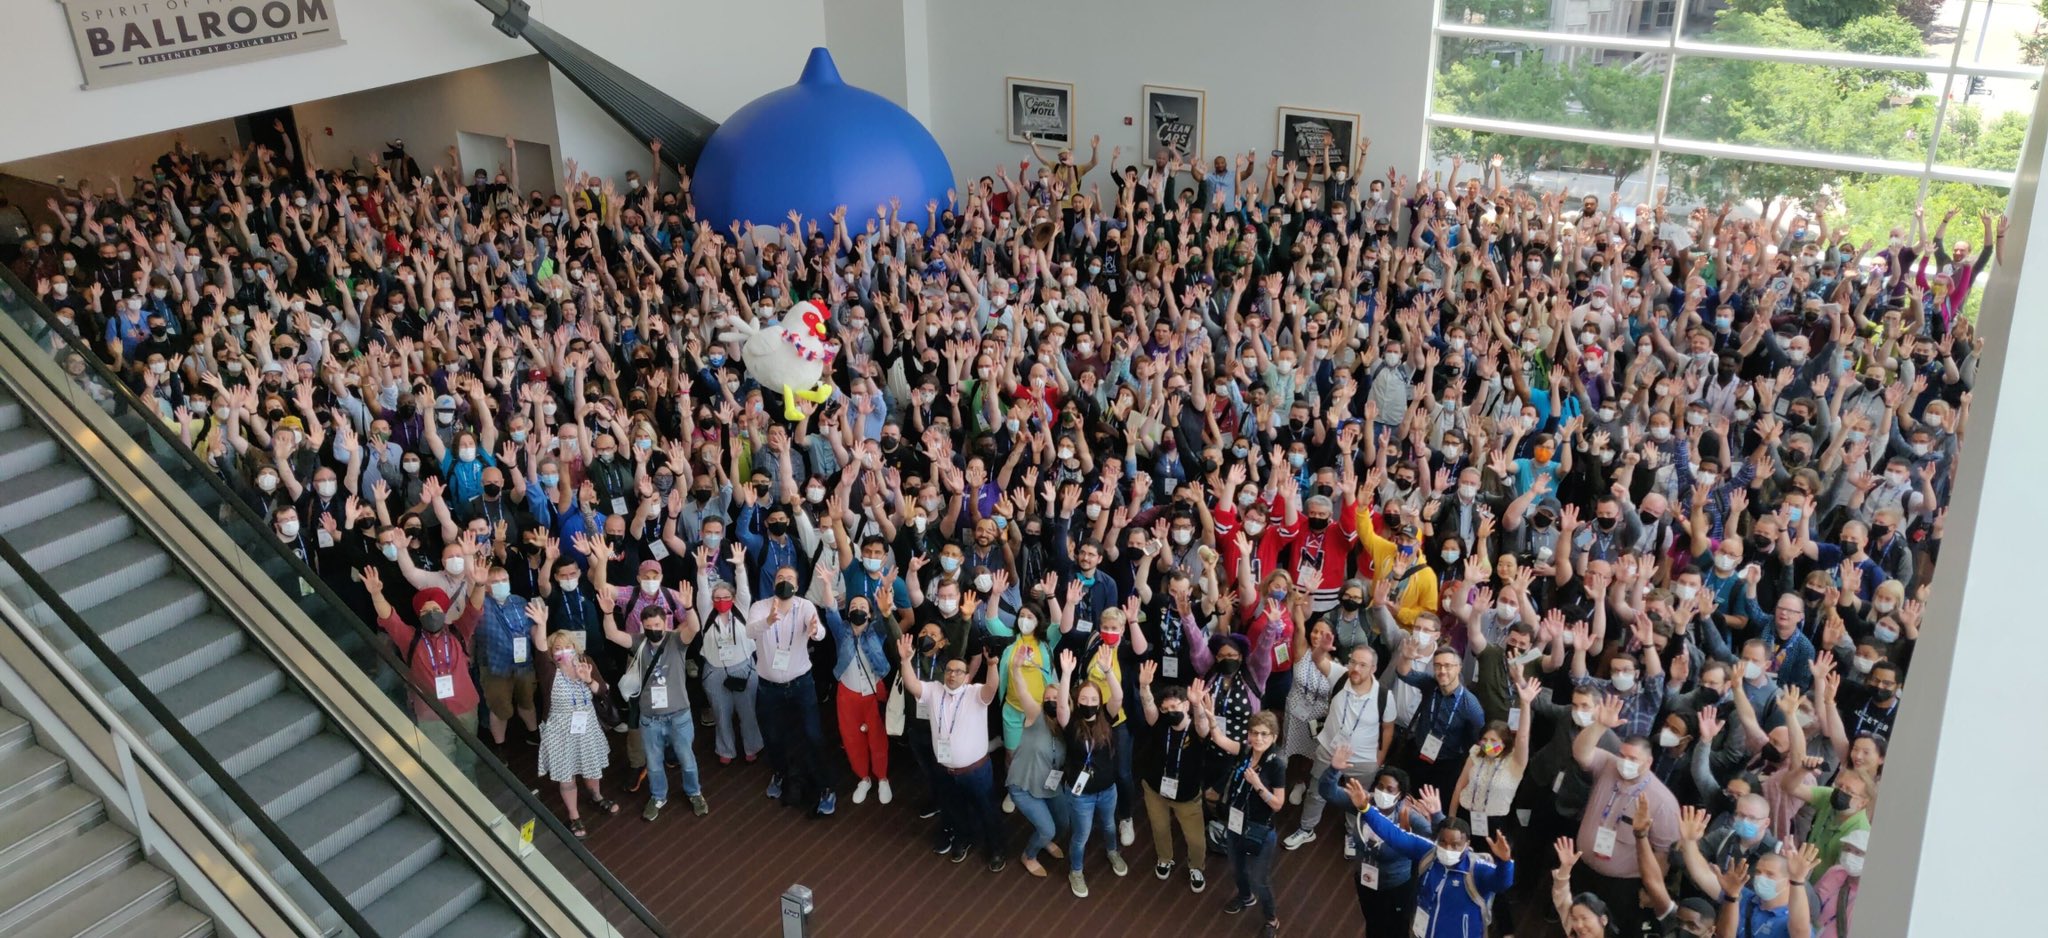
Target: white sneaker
column 1294, row 794
column 1117, row 864
column 882, row 792
column 1126, row 833
column 1078, row 885
column 1298, row 839
column 860, row 791
column 1009, row 805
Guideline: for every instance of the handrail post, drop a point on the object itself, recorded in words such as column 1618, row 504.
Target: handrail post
column 138, row 805
column 797, row 907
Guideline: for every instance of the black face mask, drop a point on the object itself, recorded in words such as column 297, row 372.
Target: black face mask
column 925, row 644
column 701, row 495
column 1879, row 532
column 1087, row 712
column 433, row 622
column 1760, row 544
column 493, row 489
column 1870, row 385
column 1841, row 800
column 1350, row 604
column 778, row 528
column 1226, row 667
column 654, row 636
column 856, row 618
column 1318, row 524
column 1175, row 720
column 785, row 589
column 1606, row 524
column 1540, row 522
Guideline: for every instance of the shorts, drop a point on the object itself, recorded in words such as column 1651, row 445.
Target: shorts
column 506, row 694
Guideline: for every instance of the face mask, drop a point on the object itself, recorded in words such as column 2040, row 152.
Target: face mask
column 433, row 622
column 1841, row 800
column 289, row 529
column 1226, row 667
column 1752, row 671
column 1625, row 681
column 947, row 606
column 1766, row 888
column 1385, row 800
column 1026, row 625
column 501, row 591
column 1449, row 857
column 569, row 585
column 1852, row 864
column 1582, row 718
column 785, row 589
column 390, row 551
column 1666, row 738
column 650, row 587
column 1723, row 563
column 778, row 528
column 456, row 565
column 1490, row 748
column 1629, row 769
column 267, row 483
column 984, row 582
column 1660, row 432
column 412, row 466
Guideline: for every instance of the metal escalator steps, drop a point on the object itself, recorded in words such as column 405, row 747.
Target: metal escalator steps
column 342, row 816
column 28, row 773
column 427, row 901
column 108, row 572
column 485, row 920
column 73, row 865
column 302, row 773
column 256, row 735
column 179, row 654
column 24, row 449
column 367, row 869
column 111, row 906
column 10, row 412
column 210, row 698
column 141, row 613
column 33, row 496
column 87, row 527
column 14, row 733
column 34, row 824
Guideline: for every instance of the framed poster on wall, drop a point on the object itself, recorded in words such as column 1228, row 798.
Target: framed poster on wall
column 1175, row 118
column 1039, row 110
column 1305, row 132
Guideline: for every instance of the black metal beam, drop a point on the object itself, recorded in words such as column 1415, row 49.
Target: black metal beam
column 642, row 109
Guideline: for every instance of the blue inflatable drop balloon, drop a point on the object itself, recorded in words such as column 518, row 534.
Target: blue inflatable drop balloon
column 816, row 145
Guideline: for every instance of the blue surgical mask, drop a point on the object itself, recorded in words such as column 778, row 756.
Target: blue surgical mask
column 949, row 564
column 1746, row 828
column 500, row 591
column 548, row 480
column 1885, row 633
column 1766, row 888
column 717, row 359
column 871, row 564
column 1297, row 460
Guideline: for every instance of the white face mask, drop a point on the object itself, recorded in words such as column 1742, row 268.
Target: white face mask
column 1582, row 718
column 1852, row 864
column 456, row 565
column 1625, row 681
column 1449, row 857
column 947, row 606
column 1629, row 769
column 268, row 483
column 569, row 585
column 288, row 528
column 325, row 487
column 650, row 587
column 1384, row 799
column 1752, row 671
column 1666, row 738
column 1026, row 625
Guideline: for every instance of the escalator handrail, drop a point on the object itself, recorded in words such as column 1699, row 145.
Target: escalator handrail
column 54, row 601
column 338, row 609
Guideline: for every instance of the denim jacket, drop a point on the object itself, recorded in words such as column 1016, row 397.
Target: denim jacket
column 869, row 643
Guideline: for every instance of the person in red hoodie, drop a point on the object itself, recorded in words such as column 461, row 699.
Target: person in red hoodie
column 437, row 651
column 1323, row 546
column 1262, row 536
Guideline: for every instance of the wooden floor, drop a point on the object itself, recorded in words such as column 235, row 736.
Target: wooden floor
column 872, row 871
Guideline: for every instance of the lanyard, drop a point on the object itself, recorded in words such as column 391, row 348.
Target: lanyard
column 1354, row 715
column 1238, row 785
column 1615, row 795
column 579, row 692
column 1439, row 721
column 946, row 723
column 1174, row 751
column 1483, row 800
column 434, row 660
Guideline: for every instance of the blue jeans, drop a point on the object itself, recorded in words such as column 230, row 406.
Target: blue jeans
column 789, row 721
column 1041, row 812
column 1090, row 811
column 1252, row 860
column 658, row 735
column 968, row 802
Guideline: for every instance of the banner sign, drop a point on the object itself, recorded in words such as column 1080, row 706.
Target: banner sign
column 125, row 41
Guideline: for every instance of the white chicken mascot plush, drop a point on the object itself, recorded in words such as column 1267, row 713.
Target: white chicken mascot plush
column 791, row 355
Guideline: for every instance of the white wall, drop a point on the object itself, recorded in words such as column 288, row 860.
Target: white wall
column 867, row 42
column 45, row 109
column 505, row 98
column 120, row 159
column 712, row 56
column 1342, row 55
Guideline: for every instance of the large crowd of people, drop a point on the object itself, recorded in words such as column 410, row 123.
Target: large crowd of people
column 1575, row 552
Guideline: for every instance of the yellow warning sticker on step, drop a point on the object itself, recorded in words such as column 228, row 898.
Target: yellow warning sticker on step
column 526, row 832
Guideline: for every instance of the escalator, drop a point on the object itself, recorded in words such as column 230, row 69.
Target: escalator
column 248, row 660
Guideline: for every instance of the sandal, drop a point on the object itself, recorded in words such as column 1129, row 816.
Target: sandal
column 576, row 828
column 607, row 805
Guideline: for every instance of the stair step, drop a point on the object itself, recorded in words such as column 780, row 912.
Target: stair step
column 25, row 449
column 376, row 864
column 33, row 496
column 302, row 773
column 256, row 735
column 139, row 614
column 342, row 816
column 108, row 907
column 86, row 528
column 10, row 413
column 28, row 773
column 426, row 901
column 489, row 918
column 108, row 572
column 35, row 823
column 210, row 698
column 72, row 865
column 173, row 920
column 15, row 733
column 177, row 655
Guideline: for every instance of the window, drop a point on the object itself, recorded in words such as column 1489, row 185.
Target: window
column 1857, row 101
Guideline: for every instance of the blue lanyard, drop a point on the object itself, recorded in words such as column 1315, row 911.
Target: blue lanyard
column 1439, row 724
column 434, row 660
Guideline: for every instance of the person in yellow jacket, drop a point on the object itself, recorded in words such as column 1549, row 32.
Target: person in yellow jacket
column 1398, row 560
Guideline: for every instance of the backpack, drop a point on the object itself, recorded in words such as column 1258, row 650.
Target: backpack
column 1471, row 886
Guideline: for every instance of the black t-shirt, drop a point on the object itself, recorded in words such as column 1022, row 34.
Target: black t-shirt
column 1099, row 760
column 1158, row 752
column 1239, row 793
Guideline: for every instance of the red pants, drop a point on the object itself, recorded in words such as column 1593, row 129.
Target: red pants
column 860, row 729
